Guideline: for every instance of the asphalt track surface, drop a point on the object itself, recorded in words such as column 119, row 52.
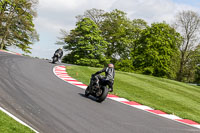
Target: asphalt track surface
column 30, row 90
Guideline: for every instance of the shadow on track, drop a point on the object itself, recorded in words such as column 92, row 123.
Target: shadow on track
column 89, row 97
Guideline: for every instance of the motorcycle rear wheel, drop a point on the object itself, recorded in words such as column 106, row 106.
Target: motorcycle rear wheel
column 104, row 94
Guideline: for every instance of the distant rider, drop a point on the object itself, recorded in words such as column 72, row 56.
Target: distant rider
column 58, row 52
column 109, row 76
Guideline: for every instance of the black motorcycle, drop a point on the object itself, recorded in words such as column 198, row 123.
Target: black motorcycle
column 97, row 88
column 55, row 58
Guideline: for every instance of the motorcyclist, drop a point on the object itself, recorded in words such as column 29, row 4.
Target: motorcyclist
column 109, row 76
column 58, row 52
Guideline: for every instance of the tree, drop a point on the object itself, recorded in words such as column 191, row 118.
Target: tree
column 197, row 65
column 85, row 44
column 188, row 24
column 16, row 24
column 192, row 68
column 94, row 14
column 117, row 31
column 155, row 49
column 125, row 65
column 138, row 26
column 133, row 34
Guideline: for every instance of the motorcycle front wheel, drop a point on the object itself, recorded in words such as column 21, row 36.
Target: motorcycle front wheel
column 55, row 59
column 87, row 92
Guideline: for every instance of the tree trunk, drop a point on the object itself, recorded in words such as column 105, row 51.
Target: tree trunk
column 180, row 73
column 3, row 39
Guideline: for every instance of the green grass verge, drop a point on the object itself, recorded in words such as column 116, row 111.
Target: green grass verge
column 170, row 96
column 9, row 125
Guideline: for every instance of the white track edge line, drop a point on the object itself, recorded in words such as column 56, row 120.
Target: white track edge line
column 17, row 119
column 11, row 115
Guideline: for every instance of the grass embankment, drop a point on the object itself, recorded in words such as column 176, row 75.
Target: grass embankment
column 170, row 96
column 9, row 125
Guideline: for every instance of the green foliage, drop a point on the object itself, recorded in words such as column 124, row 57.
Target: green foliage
column 132, row 45
column 86, row 45
column 192, row 71
column 148, row 70
column 174, row 65
column 16, row 24
column 117, row 31
column 155, row 49
column 196, row 58
column 138, row 25
column 197, row 75
column 125, row 65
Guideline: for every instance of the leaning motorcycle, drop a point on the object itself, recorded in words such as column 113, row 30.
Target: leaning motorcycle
column 97, row 88
column 55, row 57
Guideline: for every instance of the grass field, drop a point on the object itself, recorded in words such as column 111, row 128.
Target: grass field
column 170, row 96
column 9, row 125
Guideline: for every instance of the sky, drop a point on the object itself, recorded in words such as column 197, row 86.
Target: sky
column 54, row 15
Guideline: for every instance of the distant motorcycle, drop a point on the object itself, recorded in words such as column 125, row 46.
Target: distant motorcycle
column 55, row 57
column 97, row 88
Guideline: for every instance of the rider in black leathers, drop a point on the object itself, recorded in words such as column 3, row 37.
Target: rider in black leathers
column 109, row 76
column 59, row 52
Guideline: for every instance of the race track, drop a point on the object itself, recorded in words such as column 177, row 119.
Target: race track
column 30, row 90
